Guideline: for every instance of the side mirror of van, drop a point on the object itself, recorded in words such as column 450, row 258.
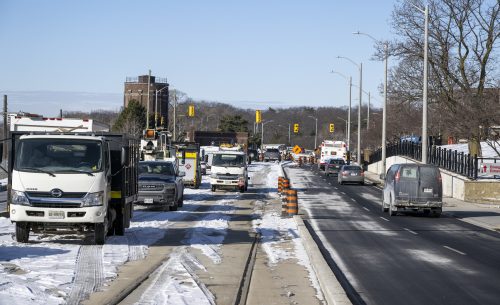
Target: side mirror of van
column 125, row 156
column 382, row 176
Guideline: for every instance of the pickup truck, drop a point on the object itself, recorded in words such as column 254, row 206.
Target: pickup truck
column 160, row 184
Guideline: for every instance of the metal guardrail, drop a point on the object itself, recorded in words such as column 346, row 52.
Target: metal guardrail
column 448, row 159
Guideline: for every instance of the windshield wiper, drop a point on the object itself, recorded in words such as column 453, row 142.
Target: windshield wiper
column 38, row 170
column 78, row 171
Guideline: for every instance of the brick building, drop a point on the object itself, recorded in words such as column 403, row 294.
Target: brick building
column 136, row 88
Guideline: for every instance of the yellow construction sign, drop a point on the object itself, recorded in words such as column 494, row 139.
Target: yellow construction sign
column 296, row 149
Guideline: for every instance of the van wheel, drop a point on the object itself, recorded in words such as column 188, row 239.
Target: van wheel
column 22, row 232
column 437, row 213
column 384, row 208
column 213, row 188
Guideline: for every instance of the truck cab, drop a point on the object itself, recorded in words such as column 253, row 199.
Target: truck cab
column 229, row 170
column 63, row 181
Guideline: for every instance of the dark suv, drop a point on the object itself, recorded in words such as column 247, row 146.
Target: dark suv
column 272, row 154
column 333, row 166
column 413, row 187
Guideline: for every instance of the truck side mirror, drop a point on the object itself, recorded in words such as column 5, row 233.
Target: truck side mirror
column 181, row 174
column 125, row 156
column 382, row 176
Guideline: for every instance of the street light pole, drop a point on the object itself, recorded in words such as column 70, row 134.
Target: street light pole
column 384, row 111
column 175, row 115
column 156, row 105
column 360, row 67
column 289, row 142
column 349, row 110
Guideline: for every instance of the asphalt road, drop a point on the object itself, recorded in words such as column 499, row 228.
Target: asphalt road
column 406, row 259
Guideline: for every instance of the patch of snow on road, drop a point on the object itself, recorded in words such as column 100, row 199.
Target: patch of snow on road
column 429, row 257
column 176, row 283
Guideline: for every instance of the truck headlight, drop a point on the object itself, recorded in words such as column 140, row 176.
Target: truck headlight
column 213, row 176
column 241, row 177
column 93, row 199
column 20, row 198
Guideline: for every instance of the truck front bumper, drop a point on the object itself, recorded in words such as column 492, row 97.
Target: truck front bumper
column 226, row 182
column 21, row 213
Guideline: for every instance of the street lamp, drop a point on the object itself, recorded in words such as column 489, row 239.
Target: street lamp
column 349, row 111
column 384, row 109
column 346, row 121
column 262, row 135
column 316, row 131
column 360, row 67
column 425, row 138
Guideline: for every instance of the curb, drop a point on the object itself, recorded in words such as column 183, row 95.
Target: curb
column 332, row 290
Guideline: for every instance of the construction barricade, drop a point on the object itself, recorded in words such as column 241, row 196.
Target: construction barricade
column 292, row 202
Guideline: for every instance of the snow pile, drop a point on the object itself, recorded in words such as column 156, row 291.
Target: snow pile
column 487, row 150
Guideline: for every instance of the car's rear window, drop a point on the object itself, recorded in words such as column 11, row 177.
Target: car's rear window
column 408, row 172
column 273, row 150
column 428, row 173
column 352, row 168
column 336, row 161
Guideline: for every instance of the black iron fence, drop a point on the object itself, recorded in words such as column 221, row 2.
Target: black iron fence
column 451, row 160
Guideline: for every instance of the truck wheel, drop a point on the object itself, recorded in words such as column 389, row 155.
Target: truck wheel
column 22, row 232
column 213, row 188
column 181, row 201
column 437, row 213
column 242, row 189
column 173, row 207
column 119, row 224
column 246, row 186
column 384, row 208
column 100, row 232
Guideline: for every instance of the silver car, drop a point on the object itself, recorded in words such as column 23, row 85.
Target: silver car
column 160, row 184
column 413, row 187
column 351, row 174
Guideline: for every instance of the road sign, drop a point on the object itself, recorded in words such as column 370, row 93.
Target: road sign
column 295, row 128
column 296, row 149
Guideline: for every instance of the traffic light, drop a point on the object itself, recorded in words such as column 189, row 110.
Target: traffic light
column 191, row 111
column 332, row 127
column 258, row 116
column 295, row 128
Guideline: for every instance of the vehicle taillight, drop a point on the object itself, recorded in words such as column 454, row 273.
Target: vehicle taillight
column 362, row 173
column 397, row 176
column 344, row 173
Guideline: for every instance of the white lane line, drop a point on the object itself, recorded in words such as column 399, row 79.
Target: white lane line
column 343, row 193
column 454, row 250
column 366, row 209
column 384, row 218
column 330, row 183
column 412, row 232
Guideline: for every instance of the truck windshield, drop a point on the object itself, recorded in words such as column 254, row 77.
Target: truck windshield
column 228, row 160
column 160, row 168
column 59, row 155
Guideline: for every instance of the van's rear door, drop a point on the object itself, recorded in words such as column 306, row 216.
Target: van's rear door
column 407, row 187
column 430, row 186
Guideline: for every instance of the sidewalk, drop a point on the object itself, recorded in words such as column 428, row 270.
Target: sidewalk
column 485, row 215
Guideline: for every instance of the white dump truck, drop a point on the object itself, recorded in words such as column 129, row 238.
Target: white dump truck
column 229, row 170
column 71, row 176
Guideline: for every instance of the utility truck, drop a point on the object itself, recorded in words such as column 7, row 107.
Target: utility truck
column 189, row 161
column 229, row 170
column 62, row 181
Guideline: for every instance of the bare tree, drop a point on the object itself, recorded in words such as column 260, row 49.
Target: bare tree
column 463, row 37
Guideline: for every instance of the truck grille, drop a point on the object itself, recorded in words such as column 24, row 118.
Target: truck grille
column 58, row 205
column 48, row 195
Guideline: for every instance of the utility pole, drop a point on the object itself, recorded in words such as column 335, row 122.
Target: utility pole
column 5, row 129
column 359, row 111
column 175, row 116
column 349, row 116
column 147, row 104
column 424, row 102
column 368, row 114
column 289, row 142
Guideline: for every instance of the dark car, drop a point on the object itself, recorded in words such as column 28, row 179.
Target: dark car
column 160, row 183
column 413, row 187
column 333, row 166
column 272, row 155
column 351, row 174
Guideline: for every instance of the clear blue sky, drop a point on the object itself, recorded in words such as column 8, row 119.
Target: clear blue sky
column 251, row 54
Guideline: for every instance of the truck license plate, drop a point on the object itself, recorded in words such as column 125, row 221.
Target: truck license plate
column 148, row 200
column 427, row 190
column 56, row 214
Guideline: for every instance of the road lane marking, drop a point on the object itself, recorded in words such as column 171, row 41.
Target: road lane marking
column 353, row 199
column 384, row 218
column 454, row 250
column 412, row 232
column 343, row 193
column 366, row 209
